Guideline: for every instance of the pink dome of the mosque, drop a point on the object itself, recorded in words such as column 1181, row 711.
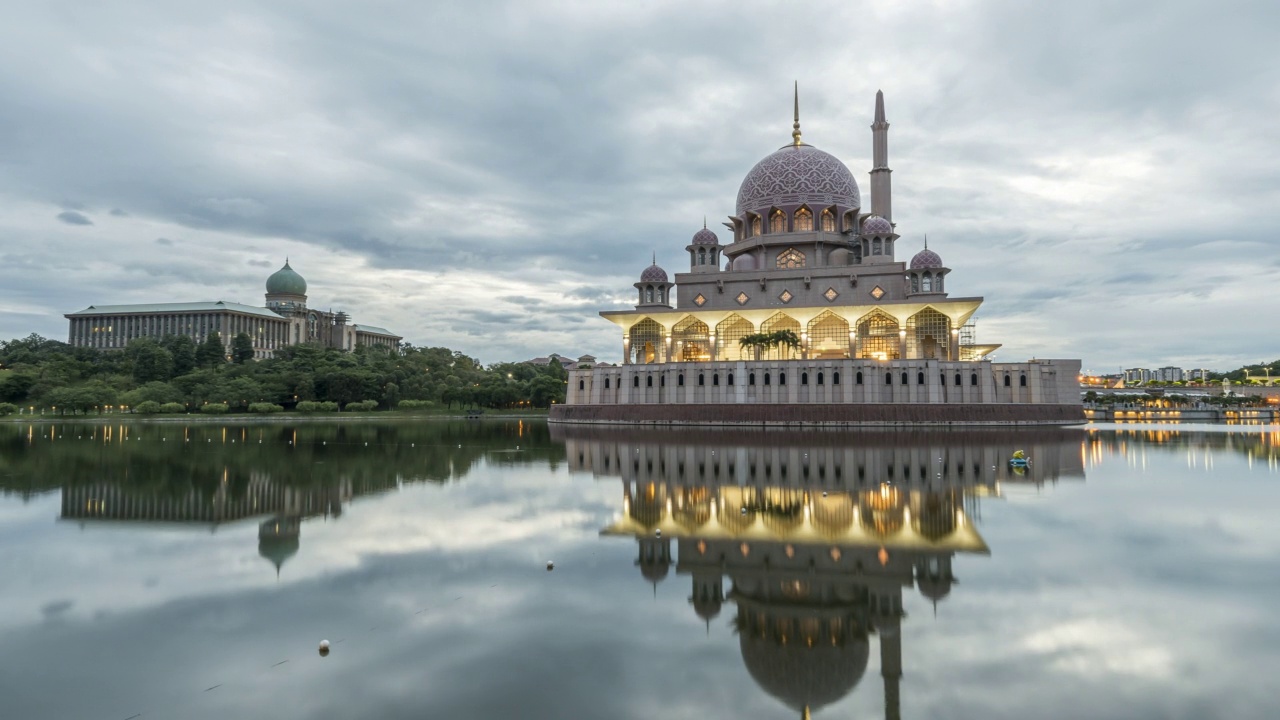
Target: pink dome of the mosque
column 797, row 175
column 876, row 225
column 705, row 237
column 925, row 259
column 653, row 273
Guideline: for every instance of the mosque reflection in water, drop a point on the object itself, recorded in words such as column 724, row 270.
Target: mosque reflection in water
column 818, row 533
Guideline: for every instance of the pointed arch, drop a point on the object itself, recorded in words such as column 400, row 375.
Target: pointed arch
column 757, row 227
column 878, row 336
column 802, row 221
column 777, row 221
column 828, row 221
column 646, row 341
column 828, row 336
column 790, row 259
column 729, row 333
column 780, row 321
column 929, row 335
column 691, row 340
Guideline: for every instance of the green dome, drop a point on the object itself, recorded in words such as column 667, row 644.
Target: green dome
column 286, row 282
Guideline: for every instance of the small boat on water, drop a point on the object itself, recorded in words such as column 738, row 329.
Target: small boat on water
column 1019, row 459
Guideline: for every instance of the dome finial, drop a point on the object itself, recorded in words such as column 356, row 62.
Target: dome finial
column 795, row 126
column 926, row 241
column 655, row 257
column 704, row 222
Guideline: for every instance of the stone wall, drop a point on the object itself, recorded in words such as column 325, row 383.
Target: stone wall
column 882, row 414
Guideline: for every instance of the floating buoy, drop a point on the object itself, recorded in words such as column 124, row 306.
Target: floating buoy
column 824, row 493
column 550, row 566
column 744, row 511
column 324, row 648
column 657, row 533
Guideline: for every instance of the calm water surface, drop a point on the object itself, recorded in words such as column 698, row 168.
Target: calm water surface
column 173, row 571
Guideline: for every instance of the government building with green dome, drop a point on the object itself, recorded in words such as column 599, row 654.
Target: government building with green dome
column 285, row 320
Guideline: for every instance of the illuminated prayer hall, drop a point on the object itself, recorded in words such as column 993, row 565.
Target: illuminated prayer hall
column 804, row 313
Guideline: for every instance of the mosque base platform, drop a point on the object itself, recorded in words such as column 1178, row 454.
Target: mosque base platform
column 811, row 414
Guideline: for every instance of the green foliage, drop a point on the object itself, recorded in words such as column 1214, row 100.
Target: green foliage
column 7, row 409
column 759, row 342
column 361, row 406
column 214, row 408
column 414, row 404
column 210, row 353
column 265, row 408
column 311, row 406
column 174, row 407
column 148, row 407
column 241, row 349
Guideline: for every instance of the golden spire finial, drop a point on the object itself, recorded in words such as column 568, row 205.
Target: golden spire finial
column 795, row 126
column 804, row 714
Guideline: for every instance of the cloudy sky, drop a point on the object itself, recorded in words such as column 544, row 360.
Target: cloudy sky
column 487, row 175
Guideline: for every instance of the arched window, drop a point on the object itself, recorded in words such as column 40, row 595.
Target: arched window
column 888, row 378
column 1006, row 381
column 804, row 378
column 937, row 283
column 701, row 379
column 973, row 379
column 828, row 221
column 915, row 282
column 662, row 295
column 648, row 293
column 777, row 221
column 920, row 378
column 926, row 285
column 875, row 246
column 804, row 220
column 1022, row 381
column 958, row 380
column 715, row 379
column 857, row 378
column 751, row 378
column 756, row 225
column 819, row 378
column 662, row 380
column 790, row 258
column 606, row 383
column 635, row 381
column 729, row 379
column 782, row 378
column 904, row 378
column 835, row 377
column 942, row 379
column 582, row 385
column 857, row 253
column 680, row 380
column 766, row 378
column 648, row 381
column 702, row 256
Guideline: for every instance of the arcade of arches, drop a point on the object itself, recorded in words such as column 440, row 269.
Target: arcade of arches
column 874, row 335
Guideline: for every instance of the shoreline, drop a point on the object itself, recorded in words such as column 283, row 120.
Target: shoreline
column 272, row 418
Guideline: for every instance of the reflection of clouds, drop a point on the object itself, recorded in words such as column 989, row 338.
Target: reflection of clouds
column 1095, row 647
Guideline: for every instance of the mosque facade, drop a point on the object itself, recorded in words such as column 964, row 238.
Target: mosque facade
column 285, row 320
column 807, row 305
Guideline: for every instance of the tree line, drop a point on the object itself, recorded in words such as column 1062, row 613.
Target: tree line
column 36, row 372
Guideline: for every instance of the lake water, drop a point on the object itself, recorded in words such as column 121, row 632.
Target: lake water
column 170, row 571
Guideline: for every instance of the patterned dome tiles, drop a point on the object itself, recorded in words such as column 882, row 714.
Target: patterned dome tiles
column 797, row 175
column 926, row 259
column 653, row 273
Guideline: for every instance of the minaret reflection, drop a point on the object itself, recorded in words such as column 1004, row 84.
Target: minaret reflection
column 818, row 533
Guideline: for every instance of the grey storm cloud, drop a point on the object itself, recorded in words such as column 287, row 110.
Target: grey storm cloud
column 495, row 147
column 71, row 217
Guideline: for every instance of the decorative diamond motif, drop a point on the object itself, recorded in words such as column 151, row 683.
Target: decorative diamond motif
column 877, row 292
column 831, row 294
column 742, row 298
column 786, row 296
column 699, row 300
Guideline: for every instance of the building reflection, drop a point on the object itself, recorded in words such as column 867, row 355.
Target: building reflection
column 819, row 534
column 284, row 507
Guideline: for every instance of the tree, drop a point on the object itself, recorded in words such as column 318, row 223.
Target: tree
column 211, row 353
column 150, row 361
column 183, row 350
column 241, row 349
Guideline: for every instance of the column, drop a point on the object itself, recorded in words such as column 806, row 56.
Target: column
column 626, row 349
column 711, row 342
column 891, row 669
column 902, row 344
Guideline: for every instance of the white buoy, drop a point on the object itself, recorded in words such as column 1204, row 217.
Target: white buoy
column 657, row 533
column 324, row 648
column 824, row 493
column 550, row 566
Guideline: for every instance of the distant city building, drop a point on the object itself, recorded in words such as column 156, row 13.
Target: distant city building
column 1170, row 374
column 286, row 320
column 1199, row 374
column 565, row 362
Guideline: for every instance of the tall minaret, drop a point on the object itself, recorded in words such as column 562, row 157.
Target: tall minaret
column 880, row 192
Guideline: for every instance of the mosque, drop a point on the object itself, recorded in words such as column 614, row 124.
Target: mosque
column 806, row 315
column 286, row 320
column 819, row 537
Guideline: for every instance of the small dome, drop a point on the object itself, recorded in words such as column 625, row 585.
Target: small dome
column 705, row 237
column 803, row 676
column 706, row 608
column 653, row 273
column 744, row 262
column 926, row 258
column 286, row 282
column 876, row 225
